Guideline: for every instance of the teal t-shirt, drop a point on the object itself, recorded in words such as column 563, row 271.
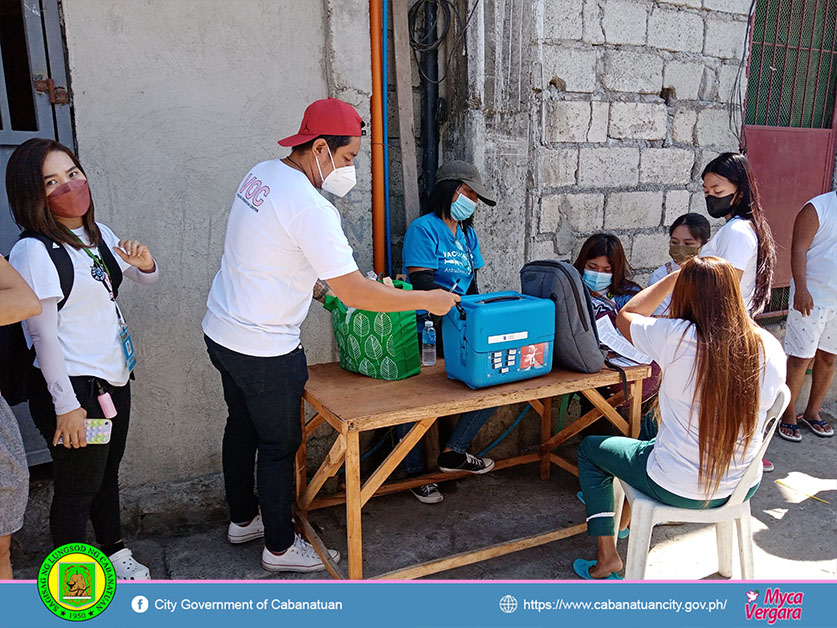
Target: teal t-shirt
column 429, row 243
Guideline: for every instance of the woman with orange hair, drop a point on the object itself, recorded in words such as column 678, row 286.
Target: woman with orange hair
column 708, row 349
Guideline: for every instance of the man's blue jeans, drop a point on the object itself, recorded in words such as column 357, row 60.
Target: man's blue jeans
column 467, row 426
column 263, row 397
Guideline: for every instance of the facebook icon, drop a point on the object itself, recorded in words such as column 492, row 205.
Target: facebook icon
column 139, row 604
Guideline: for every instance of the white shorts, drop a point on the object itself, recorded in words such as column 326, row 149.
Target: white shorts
column 805, row 334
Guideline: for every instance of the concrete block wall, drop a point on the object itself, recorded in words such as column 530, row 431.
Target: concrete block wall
column 630, row 100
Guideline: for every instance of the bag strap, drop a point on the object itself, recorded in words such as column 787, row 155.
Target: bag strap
column 113, row 267
column 622, row 375
column 60, row 259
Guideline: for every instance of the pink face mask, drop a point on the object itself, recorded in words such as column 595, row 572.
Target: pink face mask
column 70, row 199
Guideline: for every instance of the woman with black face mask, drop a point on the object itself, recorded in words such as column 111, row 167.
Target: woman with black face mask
column 745, row 240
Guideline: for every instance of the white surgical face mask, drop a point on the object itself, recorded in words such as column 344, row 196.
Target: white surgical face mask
column 340, row 180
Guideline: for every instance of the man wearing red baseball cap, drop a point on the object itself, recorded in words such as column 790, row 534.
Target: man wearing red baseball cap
column 283, row 237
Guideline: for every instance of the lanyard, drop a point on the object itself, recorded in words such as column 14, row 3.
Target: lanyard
column 101, row 273
column 467, row 248
column 99, row 270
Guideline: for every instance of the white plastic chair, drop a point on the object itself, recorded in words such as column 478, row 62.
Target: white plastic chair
column 647, row 512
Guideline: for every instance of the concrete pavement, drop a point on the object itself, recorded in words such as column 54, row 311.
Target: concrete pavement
column 795, row 535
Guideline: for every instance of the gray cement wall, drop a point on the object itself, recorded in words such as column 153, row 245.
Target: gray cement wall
column 173, row 104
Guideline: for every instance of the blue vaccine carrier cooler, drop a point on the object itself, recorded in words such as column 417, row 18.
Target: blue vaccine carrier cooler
column 498, row 337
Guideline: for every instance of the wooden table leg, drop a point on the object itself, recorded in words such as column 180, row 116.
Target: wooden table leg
column 546, row 433
column 636, row 408
column 354, row 536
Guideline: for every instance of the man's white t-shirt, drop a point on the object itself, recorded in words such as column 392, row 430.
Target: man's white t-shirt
column 88, row 326
column 675, row 460
column 821, row 259
column 737, row 243
column 281, row 236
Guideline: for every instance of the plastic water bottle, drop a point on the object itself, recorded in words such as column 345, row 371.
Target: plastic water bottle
column 428, row 344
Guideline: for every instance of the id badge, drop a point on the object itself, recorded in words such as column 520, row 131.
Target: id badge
column 127, row 348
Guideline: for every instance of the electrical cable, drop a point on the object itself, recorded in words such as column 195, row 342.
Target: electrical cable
column 421, row 41
column 737, row 113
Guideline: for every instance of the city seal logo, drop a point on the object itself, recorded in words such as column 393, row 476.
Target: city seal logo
column 76, row 582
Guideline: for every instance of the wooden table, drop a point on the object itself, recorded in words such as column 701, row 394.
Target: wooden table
column 352, row 404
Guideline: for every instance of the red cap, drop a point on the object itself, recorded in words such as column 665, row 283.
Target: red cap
column 328, row 116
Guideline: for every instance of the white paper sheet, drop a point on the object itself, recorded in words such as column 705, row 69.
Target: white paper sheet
column 610, row 337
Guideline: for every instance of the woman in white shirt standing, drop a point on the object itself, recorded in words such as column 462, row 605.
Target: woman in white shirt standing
column 709, row 348
column 745, row 241
column 84, row 354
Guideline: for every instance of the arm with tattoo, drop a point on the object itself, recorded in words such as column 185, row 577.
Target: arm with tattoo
column 321, row 289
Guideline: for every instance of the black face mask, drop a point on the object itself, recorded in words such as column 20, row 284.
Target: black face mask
column 718, row 207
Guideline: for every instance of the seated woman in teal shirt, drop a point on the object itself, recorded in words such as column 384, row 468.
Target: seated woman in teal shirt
column 441, row 250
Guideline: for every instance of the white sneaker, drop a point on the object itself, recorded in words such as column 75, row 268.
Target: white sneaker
column 248, row 532
column 127, row 568
column 300, row 557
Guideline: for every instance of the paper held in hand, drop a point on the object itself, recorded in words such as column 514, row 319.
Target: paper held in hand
column 610, row 337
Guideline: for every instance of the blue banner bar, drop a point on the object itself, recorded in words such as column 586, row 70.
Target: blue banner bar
column 423, row 604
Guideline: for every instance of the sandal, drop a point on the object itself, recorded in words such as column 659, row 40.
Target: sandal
column 582, row 569
column 809, row 423
column 795, row 436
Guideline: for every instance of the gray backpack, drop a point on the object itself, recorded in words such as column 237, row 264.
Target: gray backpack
column 576, row 338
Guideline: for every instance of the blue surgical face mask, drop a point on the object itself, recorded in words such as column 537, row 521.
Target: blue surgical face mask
column 596, row 281
column 462, row 208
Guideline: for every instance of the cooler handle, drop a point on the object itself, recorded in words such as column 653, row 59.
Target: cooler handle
column 499, row 299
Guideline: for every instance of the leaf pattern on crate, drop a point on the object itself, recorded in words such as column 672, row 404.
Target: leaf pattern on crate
column 389, row 369
column 367, row 368
column 360, row 325
column 383, row 324
column 373, row 349
column 354, row 348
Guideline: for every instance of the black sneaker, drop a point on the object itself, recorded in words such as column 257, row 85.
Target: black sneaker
column 427, row 494
column 452, row 461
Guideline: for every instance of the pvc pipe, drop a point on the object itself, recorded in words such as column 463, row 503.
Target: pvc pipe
column 385, row 108
column 378, row 193
column 430, row 101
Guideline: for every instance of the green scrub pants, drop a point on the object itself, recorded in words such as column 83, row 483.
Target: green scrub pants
column 601, row 458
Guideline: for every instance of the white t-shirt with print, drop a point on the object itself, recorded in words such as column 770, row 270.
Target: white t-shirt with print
column 281, row 236
column 737, row 243
column 88, row 326
column 674, row 461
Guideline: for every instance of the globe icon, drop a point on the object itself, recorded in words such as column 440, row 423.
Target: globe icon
column 508, row 604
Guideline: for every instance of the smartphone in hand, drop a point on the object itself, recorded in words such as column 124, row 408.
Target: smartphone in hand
column 97, row 431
